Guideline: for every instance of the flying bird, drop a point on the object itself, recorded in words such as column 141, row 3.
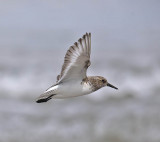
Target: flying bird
column 73, row 80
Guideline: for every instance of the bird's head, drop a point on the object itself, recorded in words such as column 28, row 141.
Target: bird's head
column 103, row 82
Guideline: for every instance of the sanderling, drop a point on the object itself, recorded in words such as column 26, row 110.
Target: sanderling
column 73, row 80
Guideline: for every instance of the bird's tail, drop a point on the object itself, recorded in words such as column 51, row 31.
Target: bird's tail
column 48, row 94
column 44, row 98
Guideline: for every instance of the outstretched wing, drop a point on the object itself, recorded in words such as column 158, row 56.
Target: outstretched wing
column 77, row 60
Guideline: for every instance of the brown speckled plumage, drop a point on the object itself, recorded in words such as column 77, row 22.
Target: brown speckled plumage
column 96, row 82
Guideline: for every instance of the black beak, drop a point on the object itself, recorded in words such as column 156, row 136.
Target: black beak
column 110, row 85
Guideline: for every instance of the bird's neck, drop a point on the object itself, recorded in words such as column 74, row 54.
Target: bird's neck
column 93, row 82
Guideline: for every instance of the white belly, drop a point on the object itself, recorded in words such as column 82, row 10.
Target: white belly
column 72, row 89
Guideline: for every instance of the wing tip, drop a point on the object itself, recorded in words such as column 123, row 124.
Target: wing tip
column 80, row 40
column 83, row 37
column 44, row 99
column 76, row 44
column 88, row 33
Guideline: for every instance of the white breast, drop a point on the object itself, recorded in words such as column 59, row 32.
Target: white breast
column 87, row 88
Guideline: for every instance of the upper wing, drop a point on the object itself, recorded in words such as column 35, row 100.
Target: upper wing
column 77, row 60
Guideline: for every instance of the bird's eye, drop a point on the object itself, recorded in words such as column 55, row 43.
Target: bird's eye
column 103, row 81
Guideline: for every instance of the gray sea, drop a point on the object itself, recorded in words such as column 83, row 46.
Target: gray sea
column 34, row 37
column 131, row 114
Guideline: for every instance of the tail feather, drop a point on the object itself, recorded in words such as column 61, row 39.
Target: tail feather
column 44, row 98
column 48, row 94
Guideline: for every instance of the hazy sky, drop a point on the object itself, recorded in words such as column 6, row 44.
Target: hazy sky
column 128, row 21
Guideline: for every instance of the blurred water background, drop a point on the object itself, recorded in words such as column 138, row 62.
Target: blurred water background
column 34, row 37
